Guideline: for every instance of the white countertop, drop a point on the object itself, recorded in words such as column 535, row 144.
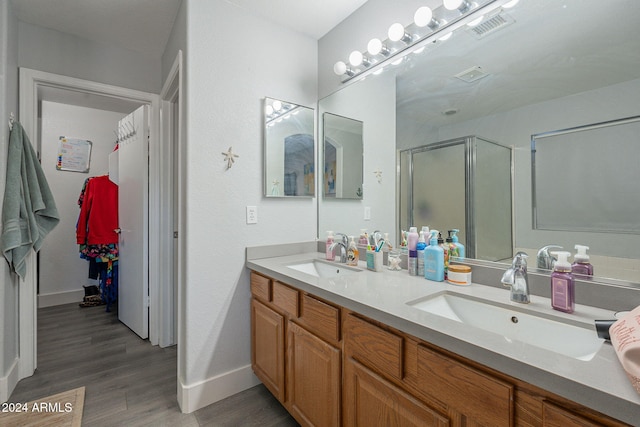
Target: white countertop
column 600, row 383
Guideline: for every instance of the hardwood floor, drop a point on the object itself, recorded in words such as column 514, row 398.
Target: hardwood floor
column 128, row 381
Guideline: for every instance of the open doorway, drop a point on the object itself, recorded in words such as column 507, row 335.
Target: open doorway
column 33, row 86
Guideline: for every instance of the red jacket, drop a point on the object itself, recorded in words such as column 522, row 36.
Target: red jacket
column 99, row 213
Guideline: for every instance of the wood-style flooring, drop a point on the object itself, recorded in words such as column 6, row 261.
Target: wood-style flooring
column 128, row 381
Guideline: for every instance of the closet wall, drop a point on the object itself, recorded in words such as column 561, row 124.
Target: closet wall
column 62, row 272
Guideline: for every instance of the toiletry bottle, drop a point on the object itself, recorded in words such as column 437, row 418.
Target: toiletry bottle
column 562, row 284
column 427, row 234
column 420, row 247
column 352, row 252
column 330, row 256
column 434, row 259
column 412, row 243
column 364, row 240
column 445, row 251
column 453, row 249
column 456, row 242
column 581, row 264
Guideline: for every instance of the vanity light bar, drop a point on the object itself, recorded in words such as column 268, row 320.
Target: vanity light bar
column 426, row 28
column 277, row 111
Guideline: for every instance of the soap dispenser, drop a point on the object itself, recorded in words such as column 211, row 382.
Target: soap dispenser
column 562, row 284
column 581, row 264
column 329, row 254
column 352, row 253
column 456, row 242
column 434, row 259
column 420, row 247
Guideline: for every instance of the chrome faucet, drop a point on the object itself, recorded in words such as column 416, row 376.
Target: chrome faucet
column 516, row 278
column 545, row 259
column 343, row 242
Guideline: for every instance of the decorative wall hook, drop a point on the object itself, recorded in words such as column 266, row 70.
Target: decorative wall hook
column 378, row 174
column 229, row 157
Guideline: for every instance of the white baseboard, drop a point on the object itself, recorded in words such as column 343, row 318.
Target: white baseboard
column 59, row 298
column 8, row 383
column 196, row 396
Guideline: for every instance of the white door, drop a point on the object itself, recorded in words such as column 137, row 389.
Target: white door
column 133, row 215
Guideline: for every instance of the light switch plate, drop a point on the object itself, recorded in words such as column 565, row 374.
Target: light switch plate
column 367, row 213
column 252, row 214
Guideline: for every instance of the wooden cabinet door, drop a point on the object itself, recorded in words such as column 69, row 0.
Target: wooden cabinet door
column 371, row 401
column 554, row 416
column 313, row 379
column 267, row 347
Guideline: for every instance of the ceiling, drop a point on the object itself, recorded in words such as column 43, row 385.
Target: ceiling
column 552, row 49
column 145, row 25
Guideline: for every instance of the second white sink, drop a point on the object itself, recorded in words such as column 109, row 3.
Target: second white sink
column 579, row 342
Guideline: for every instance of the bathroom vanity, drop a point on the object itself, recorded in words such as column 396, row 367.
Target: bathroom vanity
column 346, row 347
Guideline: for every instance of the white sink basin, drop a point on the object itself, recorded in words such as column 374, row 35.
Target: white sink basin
column 319, row 268
column 579, row 342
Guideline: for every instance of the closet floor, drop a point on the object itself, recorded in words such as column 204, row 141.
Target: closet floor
column 128, row 382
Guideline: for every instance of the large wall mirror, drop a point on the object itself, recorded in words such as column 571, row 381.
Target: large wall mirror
column 548, row 65
column 289, row 150
column 342, row 157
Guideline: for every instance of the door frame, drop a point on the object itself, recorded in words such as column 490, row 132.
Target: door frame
column 172, row 127
column 30, row 81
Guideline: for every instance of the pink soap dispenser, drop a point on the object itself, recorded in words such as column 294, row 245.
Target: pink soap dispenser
column 562, row 284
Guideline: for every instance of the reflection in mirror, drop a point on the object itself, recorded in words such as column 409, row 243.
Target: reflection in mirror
column 342, row 160
column 542, row 71
column 289, row 150
column 463, row 184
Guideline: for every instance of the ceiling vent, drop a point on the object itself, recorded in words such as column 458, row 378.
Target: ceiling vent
column 491, row 25
column 472, row 74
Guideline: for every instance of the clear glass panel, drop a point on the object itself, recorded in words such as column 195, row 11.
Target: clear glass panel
column 492, row 207
column 439, row 189
column 586, row 179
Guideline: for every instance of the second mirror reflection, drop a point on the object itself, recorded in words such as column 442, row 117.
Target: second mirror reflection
column 343, row 157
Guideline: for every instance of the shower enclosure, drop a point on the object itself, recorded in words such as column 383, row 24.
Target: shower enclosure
column 465, row 184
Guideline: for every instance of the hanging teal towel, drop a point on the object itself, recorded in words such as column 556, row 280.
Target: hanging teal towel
column 29, row 212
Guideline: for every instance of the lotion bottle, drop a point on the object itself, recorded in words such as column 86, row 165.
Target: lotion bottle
column 352, row 253
column 581, row 264
column 456, row 242
column 412, row 243
column 329, row 255
column 562, row 284
column 434, row 259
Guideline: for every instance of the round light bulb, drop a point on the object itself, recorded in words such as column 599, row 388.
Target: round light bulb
column 277, row 105
column 423, row 16
column 452, row 4
column 510, row 4
column 396, row 32
column 374, row 47
column 340, row 68
column 355, row 58
column 269, row 110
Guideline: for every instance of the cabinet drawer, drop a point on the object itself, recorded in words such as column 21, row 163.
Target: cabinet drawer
column 485, row 399
column 554, row 416
column 374, row 347
column 285, row 298
column 320, row 318
column 261, row 287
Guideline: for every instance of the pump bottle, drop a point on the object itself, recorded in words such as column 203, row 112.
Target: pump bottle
column 456, row 242
column 330, row 256
column 562, row 284
column 581, row 264
column 412, row 240
column 420, row 247
column 352, row 252
column 434, row 259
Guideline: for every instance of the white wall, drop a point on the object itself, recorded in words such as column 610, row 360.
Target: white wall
column 62, row 272
column 55, row 52
column 372, row 101
column 228, row 77
column 8, row 282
